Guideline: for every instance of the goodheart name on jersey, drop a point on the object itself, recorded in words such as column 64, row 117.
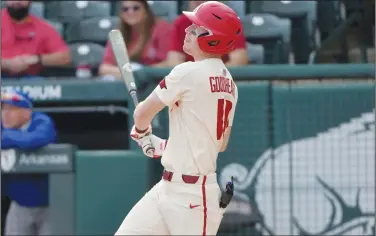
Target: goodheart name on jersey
column 220, row 84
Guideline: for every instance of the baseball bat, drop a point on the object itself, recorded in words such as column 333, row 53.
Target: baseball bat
column 122, row 59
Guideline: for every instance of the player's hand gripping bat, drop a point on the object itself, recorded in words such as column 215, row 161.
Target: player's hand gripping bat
column 122, row 59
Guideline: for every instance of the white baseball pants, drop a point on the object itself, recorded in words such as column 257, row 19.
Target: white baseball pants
column 176, row 208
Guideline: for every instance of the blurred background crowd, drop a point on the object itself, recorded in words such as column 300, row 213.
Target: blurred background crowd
column 69, row 39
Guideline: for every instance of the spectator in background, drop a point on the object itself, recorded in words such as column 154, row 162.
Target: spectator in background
column 176, row 55
column 21, row 128
column 146, row 36
column 28, row 43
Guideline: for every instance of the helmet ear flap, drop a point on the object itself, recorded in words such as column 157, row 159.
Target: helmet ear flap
column 212, row 42
column 216, row 44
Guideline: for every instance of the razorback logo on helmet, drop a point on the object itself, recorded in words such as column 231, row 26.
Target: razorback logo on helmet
column 162, row 84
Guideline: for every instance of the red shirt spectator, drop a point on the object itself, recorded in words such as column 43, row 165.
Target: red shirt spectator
column 154, row 51
column 30, row 41
column 178, row 34
column 147, row 37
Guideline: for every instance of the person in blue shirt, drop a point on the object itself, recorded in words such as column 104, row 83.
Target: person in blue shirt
column 22, row 128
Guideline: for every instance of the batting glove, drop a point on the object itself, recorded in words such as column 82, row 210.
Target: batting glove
column 157, row 143
column 138, row 134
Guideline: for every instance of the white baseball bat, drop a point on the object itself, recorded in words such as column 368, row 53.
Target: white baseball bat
column 122, row 59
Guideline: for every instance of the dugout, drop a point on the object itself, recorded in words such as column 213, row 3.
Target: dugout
column 89, row 117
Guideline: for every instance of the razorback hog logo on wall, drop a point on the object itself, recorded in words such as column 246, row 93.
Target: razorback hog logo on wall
column 321, row 185
column 162, row 84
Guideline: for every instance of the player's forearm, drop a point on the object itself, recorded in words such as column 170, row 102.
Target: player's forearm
column 141, row 118
column 146, row 110
column 141, row 123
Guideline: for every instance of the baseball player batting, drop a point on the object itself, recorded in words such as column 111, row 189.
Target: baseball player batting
column 201, row 97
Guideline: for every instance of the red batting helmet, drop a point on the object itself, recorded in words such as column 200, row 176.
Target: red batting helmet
column 221, row 22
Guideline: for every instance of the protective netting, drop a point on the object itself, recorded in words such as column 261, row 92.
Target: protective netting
column 302, row 155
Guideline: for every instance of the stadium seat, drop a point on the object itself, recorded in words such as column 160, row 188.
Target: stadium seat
column 91, row 30
column 353, row 5
column 238, row 6
column 86, row 53
column 270, row 31
column 114, row 8
column 74, row 11
column 37, row 8
column 159, row 8
column 303, row 15
column 164, row 9
column 182, row 6
column 331, row 14
column 255, row 53
column 58, row 26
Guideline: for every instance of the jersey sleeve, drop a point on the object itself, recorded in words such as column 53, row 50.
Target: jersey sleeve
column 173, row 86
column 232, row 112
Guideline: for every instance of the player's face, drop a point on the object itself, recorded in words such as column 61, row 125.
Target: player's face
column 133, row 12
column 190, row 42
column 12, row 116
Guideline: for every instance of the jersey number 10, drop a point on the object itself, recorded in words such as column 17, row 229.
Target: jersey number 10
column 224, row 108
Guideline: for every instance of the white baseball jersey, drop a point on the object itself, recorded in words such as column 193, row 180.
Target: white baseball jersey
column 201, row 97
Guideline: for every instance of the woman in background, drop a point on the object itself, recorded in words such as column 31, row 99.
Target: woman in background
column 146, row 36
